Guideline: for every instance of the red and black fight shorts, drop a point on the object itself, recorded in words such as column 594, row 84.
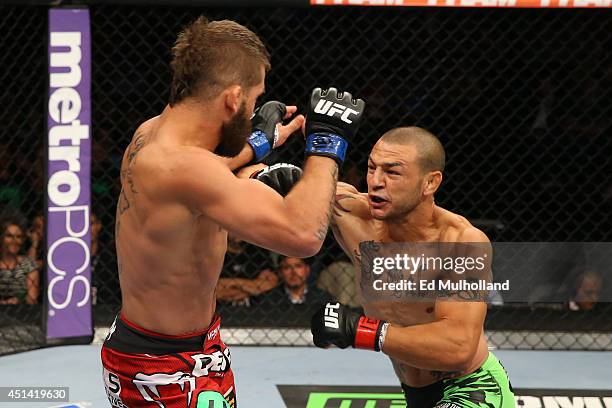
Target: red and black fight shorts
column 147, row 369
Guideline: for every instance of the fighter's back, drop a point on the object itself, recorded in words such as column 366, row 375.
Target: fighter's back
column 169, row 255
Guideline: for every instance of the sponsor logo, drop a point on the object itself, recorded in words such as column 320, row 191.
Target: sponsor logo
column 213, row 333
column 68, row 140
column 112, row 329
column 147, row 385
column 216, row 362
column 320, row 396
column 331, row 315
column 112, row 385
column 330, row 108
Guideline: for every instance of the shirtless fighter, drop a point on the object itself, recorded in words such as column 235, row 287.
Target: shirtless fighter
column 179, row 199
column 437, row 348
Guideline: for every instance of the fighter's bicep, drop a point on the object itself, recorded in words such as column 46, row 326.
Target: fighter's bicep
column 248, row 208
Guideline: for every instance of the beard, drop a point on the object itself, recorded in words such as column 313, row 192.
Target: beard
column 234, row 134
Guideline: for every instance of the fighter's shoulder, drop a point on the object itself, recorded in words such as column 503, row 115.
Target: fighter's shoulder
column 460, row 229
column 184, row 161
column 185, row 169
column 350, row 202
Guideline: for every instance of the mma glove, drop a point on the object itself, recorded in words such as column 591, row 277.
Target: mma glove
column 265, row 131
column 332, row 120
column 281, row 177
column 341, row 326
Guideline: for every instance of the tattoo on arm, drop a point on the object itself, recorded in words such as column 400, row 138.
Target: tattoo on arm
column 322, row 231
column 127, row 176
column 127, row 179
column 135, row 146
column 124, row 203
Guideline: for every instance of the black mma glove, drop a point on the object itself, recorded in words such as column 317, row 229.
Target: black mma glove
column 332, row 120
column 281, row 177
column 337, row 324
column 265, row 132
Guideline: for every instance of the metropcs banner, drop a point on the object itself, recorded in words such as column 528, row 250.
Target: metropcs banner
column 326, row 396
column 469, row 3
column 68, row 171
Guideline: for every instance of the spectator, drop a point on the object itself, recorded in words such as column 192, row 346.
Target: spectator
column 588, row 288
column 19, row 277
column 338, row 279
column 246, row 272
column 294, row 289
column 36, row 234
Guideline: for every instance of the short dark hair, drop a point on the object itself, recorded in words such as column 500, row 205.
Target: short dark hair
column 282, row 258
column 8, row 221
column 210, row 56
column 429, row 149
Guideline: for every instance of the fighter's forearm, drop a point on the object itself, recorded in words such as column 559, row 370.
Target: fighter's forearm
column 310, row 201
column 443, row 345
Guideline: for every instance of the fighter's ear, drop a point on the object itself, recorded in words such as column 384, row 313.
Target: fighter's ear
column 431, row 182
column 232, row 97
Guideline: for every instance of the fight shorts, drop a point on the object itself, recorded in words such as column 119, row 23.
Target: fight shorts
column 487, row 387
column 142, row 368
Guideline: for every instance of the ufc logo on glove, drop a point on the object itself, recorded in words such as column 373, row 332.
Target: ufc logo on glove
column 330, row 108
column 331, row 315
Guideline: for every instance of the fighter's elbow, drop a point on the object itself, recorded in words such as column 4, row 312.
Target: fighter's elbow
column 305, row 245
column 461, row 360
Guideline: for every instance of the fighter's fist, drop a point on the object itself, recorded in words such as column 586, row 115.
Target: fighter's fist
column 333, row 118
column 265, row 131
column 268, row 130
column 281, row 177
column 337, row 324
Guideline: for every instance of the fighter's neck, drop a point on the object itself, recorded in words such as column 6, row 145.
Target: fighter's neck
column 192, row 125
column 420, row 225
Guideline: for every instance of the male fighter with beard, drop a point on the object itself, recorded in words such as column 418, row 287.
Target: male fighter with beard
column 437, row 347
column 179, row 199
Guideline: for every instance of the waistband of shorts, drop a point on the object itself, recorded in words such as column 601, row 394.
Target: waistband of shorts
column 127, row 337
column 418, row 395
column 491, row 363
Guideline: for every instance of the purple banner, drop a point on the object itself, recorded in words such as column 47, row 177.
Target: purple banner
column 68, row 182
